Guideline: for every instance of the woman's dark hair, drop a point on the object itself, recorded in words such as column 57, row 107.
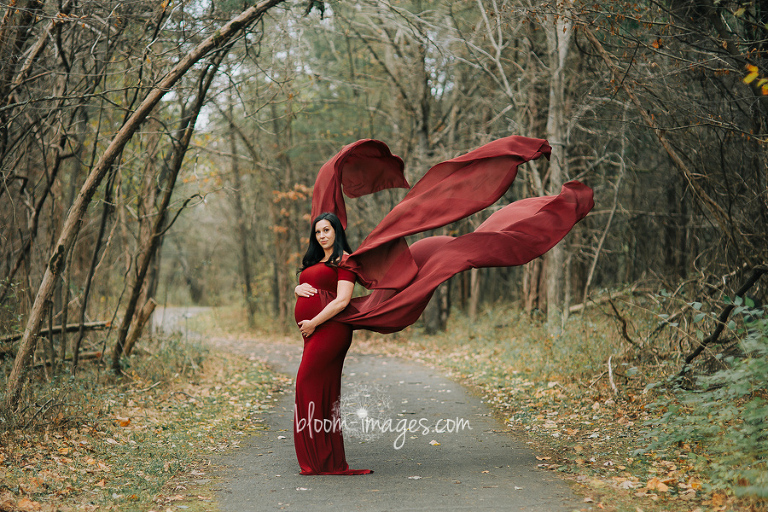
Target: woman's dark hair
column 315, row 253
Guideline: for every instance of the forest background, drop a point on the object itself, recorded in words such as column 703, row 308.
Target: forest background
column 164, row 153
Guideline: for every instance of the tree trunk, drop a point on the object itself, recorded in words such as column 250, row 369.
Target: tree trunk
column 184, row 132
column 474, row 293
column 559, row 31
column 138, row 326
column 240, row 219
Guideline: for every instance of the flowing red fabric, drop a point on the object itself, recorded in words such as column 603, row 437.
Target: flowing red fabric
column 361, row 168
column 404, row 278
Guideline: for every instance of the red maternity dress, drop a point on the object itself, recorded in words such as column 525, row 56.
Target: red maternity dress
column 317, row 438
column 402, row 278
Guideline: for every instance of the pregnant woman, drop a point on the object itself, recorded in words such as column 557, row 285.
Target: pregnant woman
column 317, row 432
column 403, row 277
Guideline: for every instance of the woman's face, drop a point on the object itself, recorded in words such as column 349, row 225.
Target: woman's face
column 325, row 234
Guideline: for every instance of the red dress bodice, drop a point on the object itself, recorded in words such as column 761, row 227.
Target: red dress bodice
column 324, row 278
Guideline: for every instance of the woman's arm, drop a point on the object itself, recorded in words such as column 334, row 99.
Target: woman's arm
column 344, row 291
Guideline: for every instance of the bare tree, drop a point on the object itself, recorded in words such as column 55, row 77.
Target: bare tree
column 72, row 223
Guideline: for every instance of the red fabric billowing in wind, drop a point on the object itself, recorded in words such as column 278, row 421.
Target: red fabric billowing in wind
column 403, row 278
column 361, row 168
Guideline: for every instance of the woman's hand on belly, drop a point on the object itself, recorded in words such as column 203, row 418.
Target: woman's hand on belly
column 305, row 290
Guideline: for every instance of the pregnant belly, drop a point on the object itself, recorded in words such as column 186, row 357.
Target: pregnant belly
column 307, row 308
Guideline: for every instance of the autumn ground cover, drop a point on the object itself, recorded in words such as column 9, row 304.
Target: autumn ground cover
column 99, row 443
column 585, row 399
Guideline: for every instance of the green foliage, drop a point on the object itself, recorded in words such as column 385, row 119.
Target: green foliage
column 722, row 421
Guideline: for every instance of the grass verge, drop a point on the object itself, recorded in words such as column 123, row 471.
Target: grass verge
column 97, row 442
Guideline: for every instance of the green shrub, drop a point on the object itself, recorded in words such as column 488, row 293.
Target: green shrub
column 722, row 422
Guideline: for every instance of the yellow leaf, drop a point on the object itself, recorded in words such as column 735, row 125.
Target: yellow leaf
column 750, row 77
column 740, row 12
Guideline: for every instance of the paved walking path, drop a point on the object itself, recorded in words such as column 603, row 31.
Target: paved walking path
column 484, row 468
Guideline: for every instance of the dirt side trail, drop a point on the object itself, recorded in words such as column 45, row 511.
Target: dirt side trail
column 477, row 465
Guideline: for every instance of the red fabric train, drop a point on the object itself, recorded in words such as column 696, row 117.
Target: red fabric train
column 404, row 277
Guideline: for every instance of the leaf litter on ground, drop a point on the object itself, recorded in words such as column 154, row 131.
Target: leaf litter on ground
column 137, row 443
column 557, row 392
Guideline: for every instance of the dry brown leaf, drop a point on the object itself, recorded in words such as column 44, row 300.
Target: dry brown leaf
column 718, row 499
column 27, row 505
column 654, row 484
